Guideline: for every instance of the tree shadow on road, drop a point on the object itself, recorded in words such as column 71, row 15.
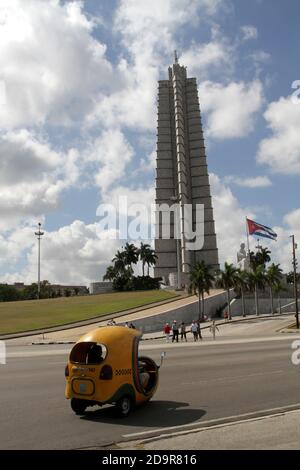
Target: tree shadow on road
column 157, row 413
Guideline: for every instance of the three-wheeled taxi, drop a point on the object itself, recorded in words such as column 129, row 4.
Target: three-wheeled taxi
column 104, row 367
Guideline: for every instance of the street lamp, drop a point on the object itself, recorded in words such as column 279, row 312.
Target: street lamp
column 295, row 280
column 39, row 235
column 177, row 220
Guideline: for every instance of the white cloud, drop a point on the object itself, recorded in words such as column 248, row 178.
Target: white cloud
column 73, row 254
column 255, row 182
column 249, row 32
column 147, row 18
column 200, row 59
column 281, row 151
column 147, row 31
column 13, row 245
column 260, row 56
column 137, row 196
column 282, row 248
column 231, row 109
column 292, row 219
column 229, row 219
column 32, row 176
column 110, row 152
column 231, row 226
column 56, row 72
column 49, row 61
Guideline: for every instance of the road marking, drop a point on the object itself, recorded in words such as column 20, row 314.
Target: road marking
column 54, row 352
column 199, row 425
column 236, row 377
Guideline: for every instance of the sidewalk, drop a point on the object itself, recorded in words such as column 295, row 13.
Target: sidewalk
column 239, row 328
column 276, row 432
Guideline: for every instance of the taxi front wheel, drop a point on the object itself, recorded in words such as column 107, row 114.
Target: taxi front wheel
column 78, row 406
column 124, row 406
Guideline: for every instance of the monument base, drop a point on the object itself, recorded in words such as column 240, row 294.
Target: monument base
column 185, row 280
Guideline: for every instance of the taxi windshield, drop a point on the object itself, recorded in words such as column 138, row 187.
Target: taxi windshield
column 88, row 353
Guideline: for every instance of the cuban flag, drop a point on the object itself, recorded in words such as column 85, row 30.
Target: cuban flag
column 260, row 230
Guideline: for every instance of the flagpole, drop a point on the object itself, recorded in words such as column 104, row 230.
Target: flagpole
column 247, row 231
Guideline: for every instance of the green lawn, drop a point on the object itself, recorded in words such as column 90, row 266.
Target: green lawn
column 34, row 314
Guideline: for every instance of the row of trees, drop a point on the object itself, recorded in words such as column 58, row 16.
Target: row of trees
column 252, row 281
column 121, row 271
column 47, row 291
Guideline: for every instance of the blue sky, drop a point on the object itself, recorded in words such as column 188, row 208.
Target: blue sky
column 78, row 123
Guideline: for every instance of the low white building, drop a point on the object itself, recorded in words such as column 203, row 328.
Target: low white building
column 101, row 287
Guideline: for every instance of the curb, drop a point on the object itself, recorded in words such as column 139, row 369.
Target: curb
column 206, row 426
column 52, row 342
column 161, row 336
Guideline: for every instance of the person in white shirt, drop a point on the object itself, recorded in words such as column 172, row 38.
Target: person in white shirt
column 194, row 330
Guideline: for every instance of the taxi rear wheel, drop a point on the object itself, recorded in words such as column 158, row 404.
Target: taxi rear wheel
column 124, row 406
column 78, row 406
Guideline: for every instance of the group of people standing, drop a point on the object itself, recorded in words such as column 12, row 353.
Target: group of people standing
column 175, row 330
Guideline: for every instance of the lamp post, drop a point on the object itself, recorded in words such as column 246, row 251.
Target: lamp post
column 177, row 221
column 295, row 281
column 39, row 235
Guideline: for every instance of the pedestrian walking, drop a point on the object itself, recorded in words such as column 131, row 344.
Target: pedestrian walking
column 199, row 329
column 194, row 330
column 226, row 316
column 167, row 331
column 213, row 329
column 175, row 331
column 183, row 331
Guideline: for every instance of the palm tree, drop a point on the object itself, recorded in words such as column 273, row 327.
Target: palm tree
column 147, row 256
column 119, row 262
column 260, row 258
column 264, row 256
column 201, row 282
column 257, row 281
column 273, row 277
column 111, row 273
column 143, row 254
column 227, row 281
column 241, row 286
column 131, row 255
column 150, row 259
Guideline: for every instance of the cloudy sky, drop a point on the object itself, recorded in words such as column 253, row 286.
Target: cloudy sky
column 78, row 85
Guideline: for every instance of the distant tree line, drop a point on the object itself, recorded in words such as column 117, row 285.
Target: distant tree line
column 121, row 272
column 47, row 291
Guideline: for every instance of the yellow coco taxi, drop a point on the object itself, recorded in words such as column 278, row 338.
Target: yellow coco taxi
column 104, row 367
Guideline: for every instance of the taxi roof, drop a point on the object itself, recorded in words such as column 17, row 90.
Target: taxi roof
column 110, row 334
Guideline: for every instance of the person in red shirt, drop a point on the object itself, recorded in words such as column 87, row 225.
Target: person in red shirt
column 167, row 331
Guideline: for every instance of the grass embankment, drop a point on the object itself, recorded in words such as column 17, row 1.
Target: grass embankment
column 35, row 314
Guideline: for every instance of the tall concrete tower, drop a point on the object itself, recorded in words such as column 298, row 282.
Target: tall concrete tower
column 181, row 174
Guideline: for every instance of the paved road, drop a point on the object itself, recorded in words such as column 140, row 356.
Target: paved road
column 197, row 384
